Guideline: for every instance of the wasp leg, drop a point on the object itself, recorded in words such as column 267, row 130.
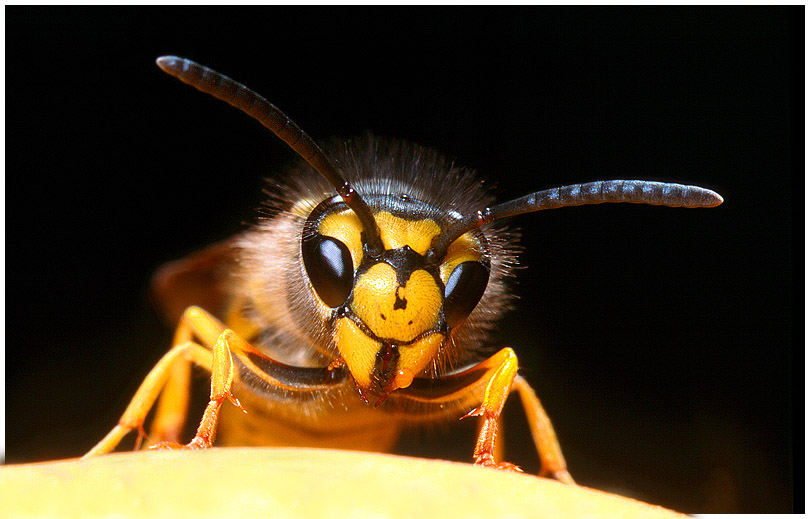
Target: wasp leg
column 217, row 359
column 497, row 378
column 500, row 385
column 498, row 450
column 551, row 458
column 221, row 382
column 147, row 393
column 172, row 407
column 168, row 424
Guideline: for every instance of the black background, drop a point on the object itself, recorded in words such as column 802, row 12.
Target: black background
column 661, row 341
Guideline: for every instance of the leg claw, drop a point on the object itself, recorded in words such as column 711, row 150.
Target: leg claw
column 503, row 465
column 167, row 446
column 194, row 445
column 476, row 411
column 564, row 477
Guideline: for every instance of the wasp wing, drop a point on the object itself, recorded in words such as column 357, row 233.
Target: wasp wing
column 200, row 279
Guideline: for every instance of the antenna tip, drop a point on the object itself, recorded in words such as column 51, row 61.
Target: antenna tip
column 712, row 199
column 168, row 63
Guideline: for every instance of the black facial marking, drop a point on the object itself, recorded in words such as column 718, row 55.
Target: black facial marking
column 404, row 261
column 400, row 303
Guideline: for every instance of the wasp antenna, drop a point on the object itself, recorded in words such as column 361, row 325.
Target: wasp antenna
column 600, row 192
column 271, row 117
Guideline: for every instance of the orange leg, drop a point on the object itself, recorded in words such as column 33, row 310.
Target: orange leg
column 502, row 382
column 552, row 462
column 221, row 382
column 172, row 406
column 495, row 394
column 171, row 413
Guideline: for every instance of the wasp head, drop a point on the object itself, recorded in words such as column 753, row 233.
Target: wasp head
column 394, row 308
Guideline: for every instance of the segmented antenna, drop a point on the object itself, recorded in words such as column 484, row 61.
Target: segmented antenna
column 603, row 191
column 239, row 96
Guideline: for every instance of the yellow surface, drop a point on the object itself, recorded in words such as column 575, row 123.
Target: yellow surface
column 243, row 482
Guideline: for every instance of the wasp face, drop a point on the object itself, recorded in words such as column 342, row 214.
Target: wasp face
column 393, row 310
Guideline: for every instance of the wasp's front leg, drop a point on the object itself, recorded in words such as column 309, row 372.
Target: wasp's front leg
column 221, row 382
column 504, row 380
column 496, row 377
column 495, row 394
column 171, row 414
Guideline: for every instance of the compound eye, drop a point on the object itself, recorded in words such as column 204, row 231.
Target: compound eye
column 329, row 267
column 463, row 290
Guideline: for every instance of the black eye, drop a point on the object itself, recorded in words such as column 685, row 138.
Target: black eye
column 464, row 289
column 329, row 267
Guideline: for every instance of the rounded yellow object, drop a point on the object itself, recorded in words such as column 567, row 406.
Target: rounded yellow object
column 288, row 482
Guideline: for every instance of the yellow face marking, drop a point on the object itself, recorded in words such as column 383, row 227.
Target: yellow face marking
column 357, row 349
column 396, row 232
column 465, row 248
column 414, row 358
column 360, row 352
column 391, row 311
column 346, row 227
column 396, row 312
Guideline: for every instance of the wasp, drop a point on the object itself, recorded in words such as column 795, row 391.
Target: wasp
column 361, row 304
